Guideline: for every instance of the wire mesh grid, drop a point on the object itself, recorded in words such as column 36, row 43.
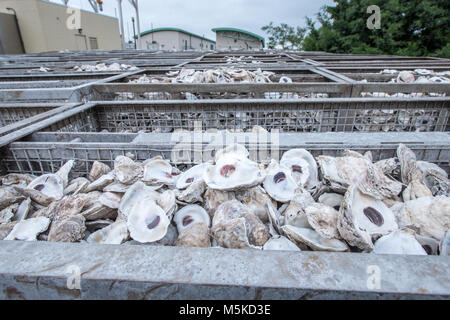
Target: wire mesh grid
column 12, row 114
column 324, row 116
column 46, row 158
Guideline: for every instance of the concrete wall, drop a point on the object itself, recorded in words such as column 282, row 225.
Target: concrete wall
column 233, row 41
column 9, row 35
column 173, row 40
column 44, row 27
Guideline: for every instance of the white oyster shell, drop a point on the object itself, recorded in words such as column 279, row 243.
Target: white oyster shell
column 190, row 176
column 189, row 215
column 303, row 167
column 115, row 233
column 279, row 183
column 157, row 171
column 309, row 237
column 147, row 222
column 232, row 171
column 280, row 243
column 362, row 218
column 29, row 229
column 136, row 193
column 430, row 216
column 333, row 200
column 323, row 219
column 110, row 199
column 401, row 241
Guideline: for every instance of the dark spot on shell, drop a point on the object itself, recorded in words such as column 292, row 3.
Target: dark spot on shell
column 427, row 249
column 168, row 175
column 189, row 180
column 280, row 176
column 337, row 208
column 176, row 173
column 296, row 168
column 374, row 216
column 187, row 220
column 154, row 222
column 39, row 187
column 227, row 170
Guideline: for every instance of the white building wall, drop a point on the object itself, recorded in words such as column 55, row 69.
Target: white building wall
column 223, row 42
column 174, row 40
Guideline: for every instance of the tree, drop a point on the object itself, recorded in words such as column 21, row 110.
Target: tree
column 408, row 27
column 284, row 36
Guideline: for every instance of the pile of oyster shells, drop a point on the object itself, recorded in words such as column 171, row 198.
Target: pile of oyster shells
column 215, row 75
column 416, row 76
column 104, row 67
column 347, row 203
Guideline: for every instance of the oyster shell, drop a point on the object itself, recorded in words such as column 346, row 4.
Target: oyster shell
column 98, row 169
column 411, row 176
column 67, row 229
column 194, row 235
column 231, row 234
column 94, row 208
column 23, row 210
column 193, row 193
column 230, row 212
column 116, row 233
column 303, row 168
column 363, row 218
column 280, row 243
column 333, row 200
column 18, row 179
column 128, row 173
column 76, row 186
column 430, row 245
column 147, row 222
column 193, row 175
column 279, row 183
column 256, row 200
column 29, row 229
column 323, row 219
column 233, row 170
column 401, row 241
column 189, row 215
column 444, row 246
column 7, row 214
column 100, row 183
column 434, row 178
column 167, row 201
column 6, row 228
column 309, row 237
column 429, row 216
column 136, row 193
column 110, row 200
column 214, row 198
column 158, row 171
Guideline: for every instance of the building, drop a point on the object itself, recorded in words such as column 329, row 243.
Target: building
column 237, row 39
column 45, row 26
column 174, row 39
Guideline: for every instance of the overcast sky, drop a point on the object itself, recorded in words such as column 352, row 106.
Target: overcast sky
column 200, row 16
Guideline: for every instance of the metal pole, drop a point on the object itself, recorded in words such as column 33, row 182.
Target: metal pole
column 121, row 24
column 135, row 4
column 134, row 34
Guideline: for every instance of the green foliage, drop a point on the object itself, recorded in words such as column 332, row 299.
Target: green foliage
column 408, row 28
column 284, row 36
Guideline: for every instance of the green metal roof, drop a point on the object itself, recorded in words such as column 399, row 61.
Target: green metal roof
column 174, row 29
column 241, row 31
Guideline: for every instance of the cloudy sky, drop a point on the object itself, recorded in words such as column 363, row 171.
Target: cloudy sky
column 200, row 16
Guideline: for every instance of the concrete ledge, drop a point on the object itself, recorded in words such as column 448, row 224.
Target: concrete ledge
column 39, row 270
